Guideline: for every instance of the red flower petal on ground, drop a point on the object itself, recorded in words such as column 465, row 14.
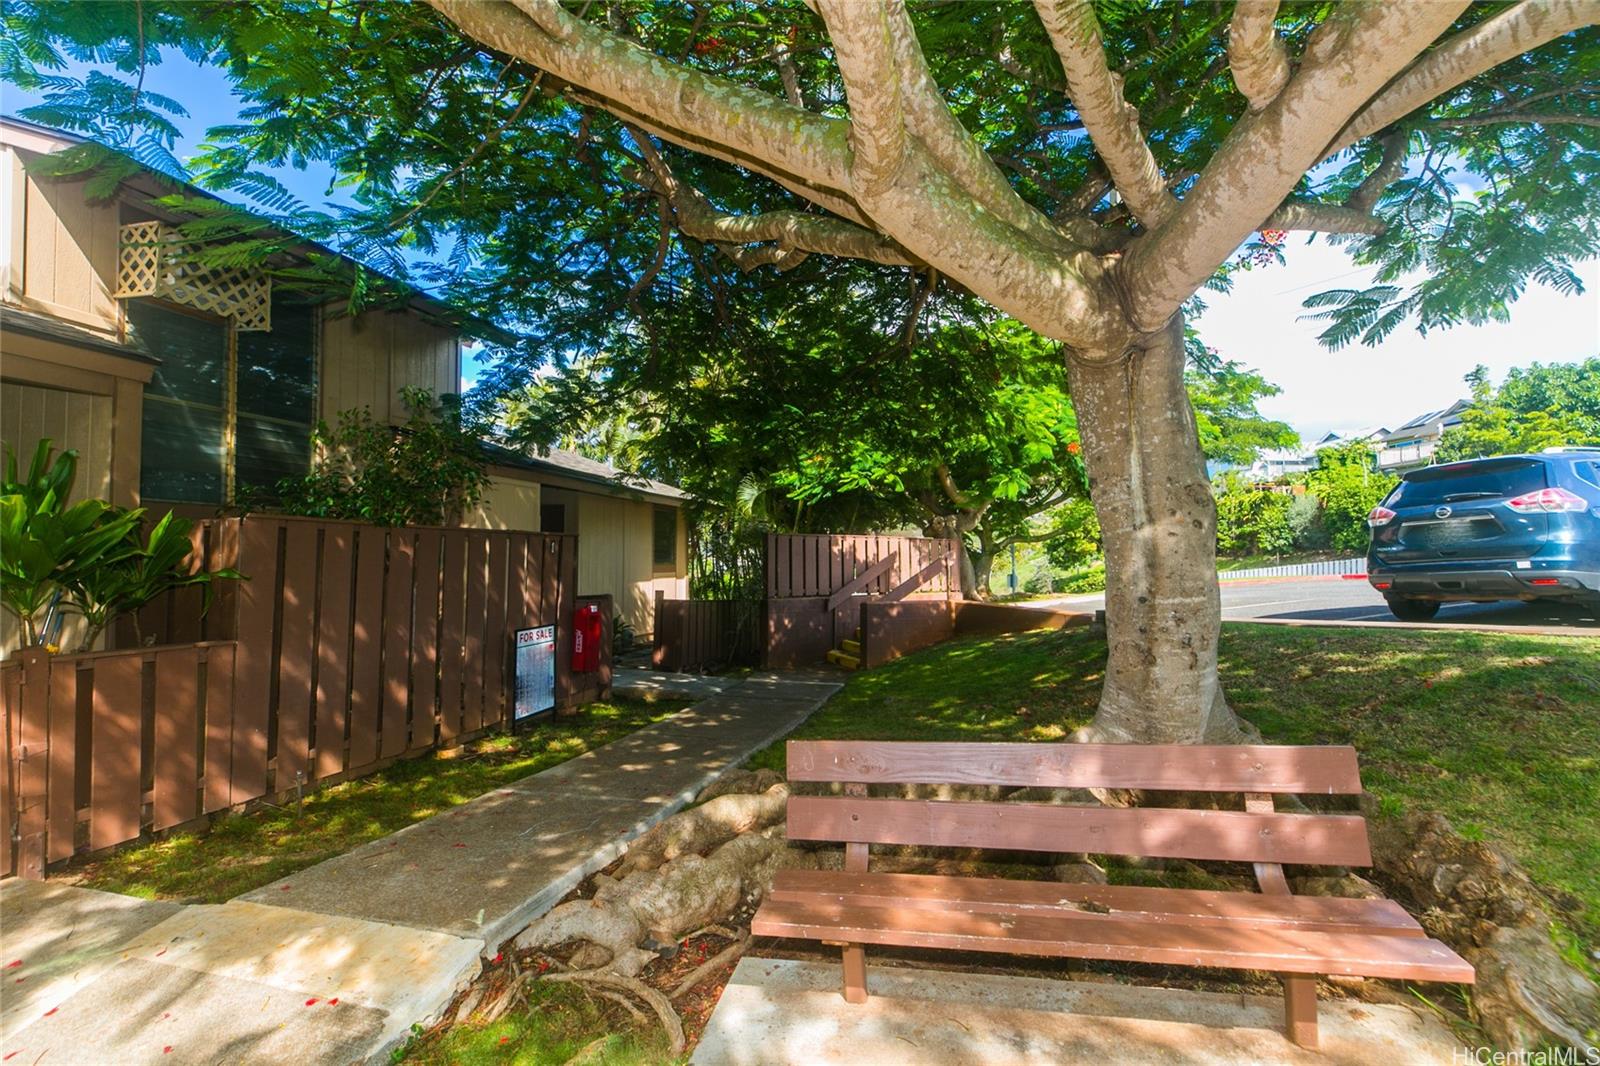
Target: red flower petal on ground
column 503, row 1040
column 458, row 844
column 160, row 953
column 10, row 1055
column 167, row 1050
column 51, row 1011
column 498, row 956
column 19, row 980
column 285, row 888
column 334, row 1002
column 311, row 1002
column 13, row 966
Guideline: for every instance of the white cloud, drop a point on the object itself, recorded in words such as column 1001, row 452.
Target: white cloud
column 1258, row 324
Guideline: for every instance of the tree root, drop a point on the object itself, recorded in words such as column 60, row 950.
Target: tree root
column 702, row 828
column 711, row 965
column 616, row 982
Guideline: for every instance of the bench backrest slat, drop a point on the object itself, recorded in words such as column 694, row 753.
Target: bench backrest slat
column 1173, row 767
column 1155, row 832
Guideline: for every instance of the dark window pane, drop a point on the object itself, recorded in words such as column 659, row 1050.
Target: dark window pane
column 277, row 368
column 266, row 452
column 1459, row 481
column 664, row 542
column 181, row 453
column 552, row 518
column 193, row 352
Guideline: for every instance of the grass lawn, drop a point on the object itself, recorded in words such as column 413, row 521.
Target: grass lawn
column 1499, row 732
column 246, row 851
column 561, row 1023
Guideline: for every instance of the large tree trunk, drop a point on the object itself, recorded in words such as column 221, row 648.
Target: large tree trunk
column 1147, row 481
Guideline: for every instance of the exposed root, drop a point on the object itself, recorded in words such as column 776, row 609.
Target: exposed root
column 617, row 983
column 702, row 828
column 712, row 965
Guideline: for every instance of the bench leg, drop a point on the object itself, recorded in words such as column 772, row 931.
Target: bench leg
column 1300, row 1009
column 855, row 973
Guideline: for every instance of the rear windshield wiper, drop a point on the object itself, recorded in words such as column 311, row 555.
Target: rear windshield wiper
column 1454, row 496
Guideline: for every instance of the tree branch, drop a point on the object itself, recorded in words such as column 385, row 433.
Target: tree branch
column 679, row 100
column 1494, row 118
column 862, row 46
column 792, row 231
column 1469, row 53
column 1323, row 218
column 1389, row 169
column 1112, row 122
column 1267, row 153
column 1259, row 61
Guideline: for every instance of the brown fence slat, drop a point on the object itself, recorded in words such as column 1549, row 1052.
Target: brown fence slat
column 258, row 561
column 333, row 648
column 63, row 806
column 495, row 638
column 472, row 644
column 452, row 630
column 115, row 743
column 425, row 640
column 297, row 646
column 220, row 674
column 177, row 726
column 1310, row 769
column 33, row 766
column 10, row 712
column 397, row 644
column 1167, row 833
column 366, row 666
column 223, row 552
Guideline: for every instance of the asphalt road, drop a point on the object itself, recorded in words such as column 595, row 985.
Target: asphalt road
column 1323, row 599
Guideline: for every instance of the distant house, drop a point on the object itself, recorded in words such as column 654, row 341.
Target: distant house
column 180, row 389
column 1413, row 444
column 1275, row 464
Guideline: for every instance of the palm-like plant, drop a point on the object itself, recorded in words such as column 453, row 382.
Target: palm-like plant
column 125, row 582
column 43, row 541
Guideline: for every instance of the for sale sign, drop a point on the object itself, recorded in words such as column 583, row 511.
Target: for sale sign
column 536, row 672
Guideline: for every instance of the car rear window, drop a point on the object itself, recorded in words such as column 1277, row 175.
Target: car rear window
column 1489, row 477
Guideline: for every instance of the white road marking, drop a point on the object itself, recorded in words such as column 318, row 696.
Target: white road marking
column 1269, row 603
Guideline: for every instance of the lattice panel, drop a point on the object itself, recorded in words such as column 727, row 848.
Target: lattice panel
column 154, row 262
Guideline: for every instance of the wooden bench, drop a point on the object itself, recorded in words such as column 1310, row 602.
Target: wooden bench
column 1297, row 937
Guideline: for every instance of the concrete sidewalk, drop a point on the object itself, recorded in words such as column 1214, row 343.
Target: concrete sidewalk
column 335, row 964
column 776, row 1012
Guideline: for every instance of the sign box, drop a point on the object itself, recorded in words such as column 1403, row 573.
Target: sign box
column 535, row 673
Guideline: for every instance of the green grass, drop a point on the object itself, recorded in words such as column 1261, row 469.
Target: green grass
column 1499, row 732
column 245, row 851
column 560, row 1021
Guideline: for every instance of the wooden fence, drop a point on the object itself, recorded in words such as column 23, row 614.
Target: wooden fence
column 695, row 636
column 821, row 564
column 816, row 584
column 347, row 646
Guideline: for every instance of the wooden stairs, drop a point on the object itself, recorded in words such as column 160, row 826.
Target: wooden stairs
column 848, row 653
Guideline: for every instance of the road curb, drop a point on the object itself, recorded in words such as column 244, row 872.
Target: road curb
column 1453, row 627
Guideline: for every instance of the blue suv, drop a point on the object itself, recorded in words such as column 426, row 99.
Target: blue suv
column 1514, row 527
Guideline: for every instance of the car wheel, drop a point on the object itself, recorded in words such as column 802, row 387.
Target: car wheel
column 1409, row 610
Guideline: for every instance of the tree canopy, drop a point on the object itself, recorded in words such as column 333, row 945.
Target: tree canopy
column 1536, row 407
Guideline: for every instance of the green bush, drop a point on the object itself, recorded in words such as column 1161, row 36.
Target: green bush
column 1306, row 530
column 1091, row 578
column 1348, row 487
column 1253, row 521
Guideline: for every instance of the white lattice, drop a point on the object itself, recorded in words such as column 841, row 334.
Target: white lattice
column 154, row 262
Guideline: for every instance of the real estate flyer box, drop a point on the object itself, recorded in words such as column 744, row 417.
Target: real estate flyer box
column 535, row 673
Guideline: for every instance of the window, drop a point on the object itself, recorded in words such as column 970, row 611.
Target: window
column 1590, row 472
column 552, row 518
column 201, row 445
column 664, row 540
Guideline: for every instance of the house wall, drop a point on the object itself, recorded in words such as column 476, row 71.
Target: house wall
column 368, row 358
column 614, row 557
column 508, row 502
column 60, row 250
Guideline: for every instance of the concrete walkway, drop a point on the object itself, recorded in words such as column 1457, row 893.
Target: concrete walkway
column 334, row 964
column 644, row 683
column 776, row 1012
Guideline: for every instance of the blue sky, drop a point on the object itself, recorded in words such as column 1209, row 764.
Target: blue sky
column 1257, row 323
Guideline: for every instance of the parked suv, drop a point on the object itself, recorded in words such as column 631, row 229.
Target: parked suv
column 1514, row 527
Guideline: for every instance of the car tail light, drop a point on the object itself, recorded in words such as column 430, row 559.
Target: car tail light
column 1381, row 585
column 1550, row 500
column 1379, row 516
column 1545, row 581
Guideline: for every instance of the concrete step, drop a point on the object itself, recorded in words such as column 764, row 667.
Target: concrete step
column 851, row 647
column 839, row 658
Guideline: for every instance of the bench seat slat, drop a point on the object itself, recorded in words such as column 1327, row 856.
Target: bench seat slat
column 1303, row 770
column 1154, row 832
column 1171, row 905
column 1237, row 946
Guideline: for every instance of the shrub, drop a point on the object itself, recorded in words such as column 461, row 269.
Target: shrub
column 1306, row 529
column 1091, row 578
column 1252, row 521
column 426, row 472
column 1348, row 487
